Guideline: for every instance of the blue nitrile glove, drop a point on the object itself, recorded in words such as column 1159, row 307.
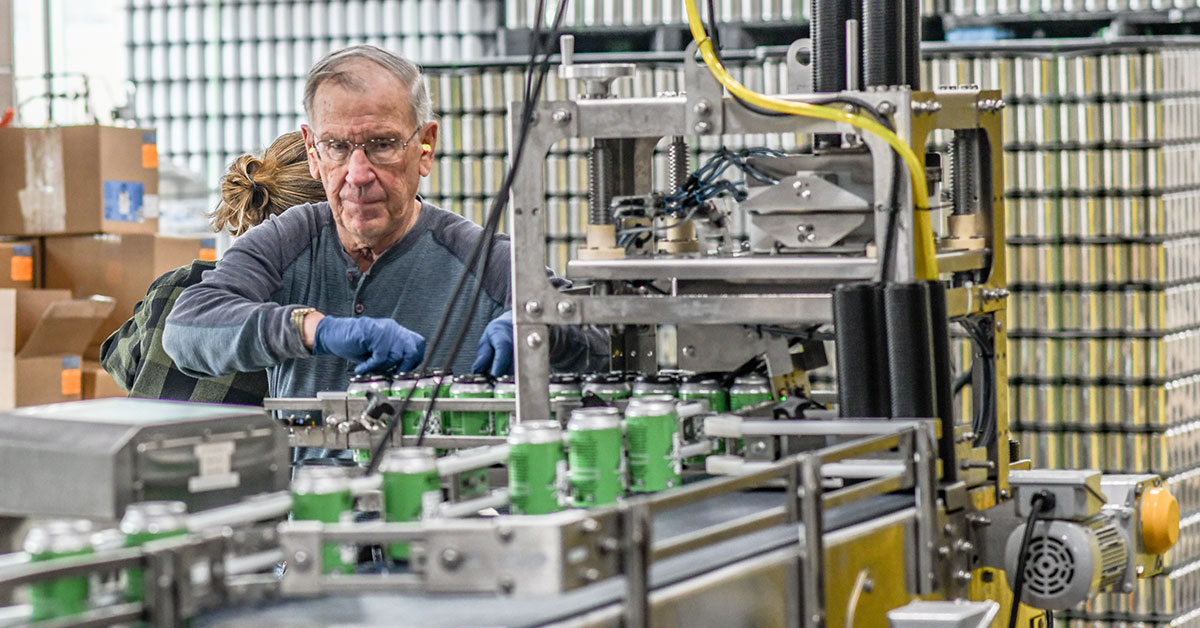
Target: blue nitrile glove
column 377, row 344
column 495, row 351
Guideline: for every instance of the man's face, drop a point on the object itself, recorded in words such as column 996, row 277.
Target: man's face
column 373, row 204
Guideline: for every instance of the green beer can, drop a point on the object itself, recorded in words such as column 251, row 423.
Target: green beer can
column 595, row 452
column 536, row 467
column 411, row 488
column 646, row 385
column 607, row 386
column 460, row 423
column 410, row 421
column 149, row 521
column 749, row 390
column 323, row 494
column 565, row 386
column 59, row 538
column 359, row 386
column 505, row 388
column 434, row 383
column 652, row 428
column 705, row 387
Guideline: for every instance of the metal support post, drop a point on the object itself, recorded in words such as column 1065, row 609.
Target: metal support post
column 812, row 567
column 637, row 566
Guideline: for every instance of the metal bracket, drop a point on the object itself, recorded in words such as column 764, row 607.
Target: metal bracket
column 705, row 96
column 799, row 67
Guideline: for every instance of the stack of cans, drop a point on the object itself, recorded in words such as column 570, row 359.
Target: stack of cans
column 1101, row 196
column 1035, row 8
column 632, row 13
column 222, row 79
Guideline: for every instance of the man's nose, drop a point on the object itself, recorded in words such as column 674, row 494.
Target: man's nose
column 358, row 169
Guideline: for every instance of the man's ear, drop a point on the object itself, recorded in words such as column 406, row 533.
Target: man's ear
column 428, row 139
column 310, row 142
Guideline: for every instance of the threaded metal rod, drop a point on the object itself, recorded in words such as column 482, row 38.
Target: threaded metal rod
column 677, row 163
column 829, row 44
column 882, row 29
column 600, row 165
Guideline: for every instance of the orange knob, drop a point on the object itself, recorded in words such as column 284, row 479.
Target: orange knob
column 1160, row 520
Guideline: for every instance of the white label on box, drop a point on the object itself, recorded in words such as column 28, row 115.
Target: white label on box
column 215, row 462
column 150, row 206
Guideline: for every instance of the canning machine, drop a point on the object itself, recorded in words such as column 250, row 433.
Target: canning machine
column 727, row 491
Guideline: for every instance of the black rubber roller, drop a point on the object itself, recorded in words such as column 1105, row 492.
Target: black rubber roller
column 943, row 377
column 882, row 30
column 860, row 342
column 910, row 350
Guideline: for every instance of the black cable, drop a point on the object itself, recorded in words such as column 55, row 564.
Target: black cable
column 983, row 424
column 480, row 255
column 1036, row 505
column 962, row 381
column 893, row 202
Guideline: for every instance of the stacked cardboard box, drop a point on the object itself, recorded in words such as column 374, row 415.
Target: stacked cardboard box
column 42, row 337
column 118, row 266
column 79, row 217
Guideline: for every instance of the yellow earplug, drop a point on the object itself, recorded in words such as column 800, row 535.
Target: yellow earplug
column 311, row 150
column 426, row 148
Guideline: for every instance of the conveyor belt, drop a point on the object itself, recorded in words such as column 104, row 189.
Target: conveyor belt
column 380, row 609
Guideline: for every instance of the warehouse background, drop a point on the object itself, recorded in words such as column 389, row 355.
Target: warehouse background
column 1102, row 139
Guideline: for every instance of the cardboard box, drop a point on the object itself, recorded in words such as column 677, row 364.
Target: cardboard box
column 118, row 266
column 98, row 384
column 42, row 333
column 82, row 179
column 20, row 263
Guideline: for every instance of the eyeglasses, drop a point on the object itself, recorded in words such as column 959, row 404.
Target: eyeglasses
column 379, row 151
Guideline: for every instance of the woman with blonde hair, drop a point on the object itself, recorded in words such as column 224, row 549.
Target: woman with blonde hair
column 253, row 190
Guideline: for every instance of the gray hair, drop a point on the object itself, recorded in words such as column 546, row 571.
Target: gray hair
column 329, row 68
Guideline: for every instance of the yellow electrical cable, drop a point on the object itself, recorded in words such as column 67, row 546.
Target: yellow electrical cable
column 925, row 250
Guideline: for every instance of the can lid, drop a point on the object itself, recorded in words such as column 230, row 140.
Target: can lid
column 406, row 384
column 320, row 480
column 59, row 536
column 752, row 378
column 534, row 432
column 564, row 378
column 404, row 376
column 471, row 378
column 435, row 372
column 409, row 460
column 367, row 378
column 605, row 378
column 594, row 418
column 652, row 405
column 700, row 378
column 154, row 517
column 508, row 379
column 665, row 380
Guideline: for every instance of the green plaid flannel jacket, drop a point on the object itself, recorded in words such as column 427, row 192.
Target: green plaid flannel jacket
column 135, row 357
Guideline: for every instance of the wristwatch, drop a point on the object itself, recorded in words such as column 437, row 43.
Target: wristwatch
column 298, row 315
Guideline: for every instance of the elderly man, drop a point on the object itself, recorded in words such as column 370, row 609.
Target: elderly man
column 365, row 277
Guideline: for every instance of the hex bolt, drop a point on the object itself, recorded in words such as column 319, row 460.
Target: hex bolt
column 886, row 108
column 534, row 340
column 962, row 576
column 703, row 127
column 505, row 583
column 591, row 574
column 504, row 533
column 562, row 116
column 533, row 308
column 610, row 545
column 589, row 525
column 702, row 108
column 300, row 558
column 451, row 559
column 689, row 351
column 566, row 308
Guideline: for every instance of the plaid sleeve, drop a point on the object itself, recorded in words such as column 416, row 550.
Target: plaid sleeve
column 135, row 357
column 123, row 354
